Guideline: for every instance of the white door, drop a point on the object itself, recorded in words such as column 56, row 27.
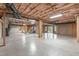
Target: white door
column 1, row 38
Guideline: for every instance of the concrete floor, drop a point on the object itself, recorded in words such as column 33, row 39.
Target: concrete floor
column 20, row 44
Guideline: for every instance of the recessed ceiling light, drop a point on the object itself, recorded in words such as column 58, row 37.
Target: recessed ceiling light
column 59, row 15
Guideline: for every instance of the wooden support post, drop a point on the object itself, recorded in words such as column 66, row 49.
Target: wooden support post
column 24, row 28
column 77, row 22
column 40, row 28
column 37, row 27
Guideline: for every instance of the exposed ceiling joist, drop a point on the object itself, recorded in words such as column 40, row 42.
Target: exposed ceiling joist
column 45, row 10
column 56, row 10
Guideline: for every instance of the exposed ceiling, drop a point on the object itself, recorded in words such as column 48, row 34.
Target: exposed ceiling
column 2, row 9
column 43, row 11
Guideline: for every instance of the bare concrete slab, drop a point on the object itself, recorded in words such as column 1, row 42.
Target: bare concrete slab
column 25, row 44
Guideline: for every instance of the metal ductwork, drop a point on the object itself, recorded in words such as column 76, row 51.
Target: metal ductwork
column 12, row 8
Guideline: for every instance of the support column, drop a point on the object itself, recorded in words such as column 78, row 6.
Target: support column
column 25, row 28
column 40, row 28
column 77, row 22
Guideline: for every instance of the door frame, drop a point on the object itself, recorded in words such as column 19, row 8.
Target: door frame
column 3, row 32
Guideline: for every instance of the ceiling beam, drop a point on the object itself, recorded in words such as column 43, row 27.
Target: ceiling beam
column 55, row 10
column 30, row 17
column 26, row 7
column 19, row 6
column 69, row 11
column 38, row 14
column 33, row 10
